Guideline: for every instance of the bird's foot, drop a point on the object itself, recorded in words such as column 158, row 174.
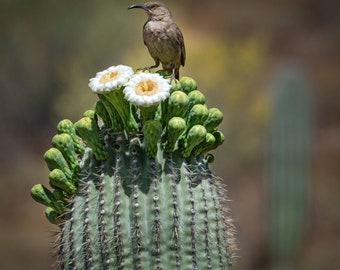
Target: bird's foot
column 144, row 69
column 172, row 77
column 147, row 68
column 168, row 74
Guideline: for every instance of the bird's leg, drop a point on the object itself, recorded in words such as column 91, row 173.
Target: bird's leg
column 174, row 74
column 150, row 67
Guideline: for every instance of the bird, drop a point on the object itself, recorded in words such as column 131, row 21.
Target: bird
column 163, row 38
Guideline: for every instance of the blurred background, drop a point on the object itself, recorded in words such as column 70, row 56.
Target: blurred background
column 272, row 67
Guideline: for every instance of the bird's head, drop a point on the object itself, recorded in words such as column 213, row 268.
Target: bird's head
column 155, row 10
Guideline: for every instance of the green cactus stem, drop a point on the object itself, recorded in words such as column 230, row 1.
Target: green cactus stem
column 109, row 114
column 139, row 200
column 152, row 131
column 104, row 114
column 148, row 113
column 123, row 108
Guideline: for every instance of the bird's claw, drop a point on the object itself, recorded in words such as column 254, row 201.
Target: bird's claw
column 171, row 77
column 146, row 68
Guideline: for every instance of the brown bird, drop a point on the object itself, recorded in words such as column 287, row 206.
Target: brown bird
column 163, row 38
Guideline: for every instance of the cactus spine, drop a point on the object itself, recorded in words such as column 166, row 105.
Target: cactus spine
column 141, row 197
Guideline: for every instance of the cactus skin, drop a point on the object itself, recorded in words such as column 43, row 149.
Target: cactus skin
column 143, row 200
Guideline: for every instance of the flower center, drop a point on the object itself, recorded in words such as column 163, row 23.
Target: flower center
column 146, row 87
column 109, row 76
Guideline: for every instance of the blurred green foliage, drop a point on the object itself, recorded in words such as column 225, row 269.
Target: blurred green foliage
column 289, row 165
column 229, row 72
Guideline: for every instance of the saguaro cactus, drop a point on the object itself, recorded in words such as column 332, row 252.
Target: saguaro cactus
column 131, row 184
column 289, row 165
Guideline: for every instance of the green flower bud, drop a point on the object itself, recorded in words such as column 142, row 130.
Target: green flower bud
column 88, row 130
column 188, row 84
column 196, row 97
column 42, row 195
column 55, row 160
column 90, row 113
column 177, row 105
column 175, row 128
column 194, row 137
column 215, row 118
column 206, row 145
column 65, row 144
column 219, row 137
column 152, row 130
column 66, row 126
column 59, row 180
column 175, row 86
column 52, row 215
column 209, row 158
column 197, row 115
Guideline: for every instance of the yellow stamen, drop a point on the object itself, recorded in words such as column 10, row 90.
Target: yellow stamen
column 109, row 76
column 146, row 88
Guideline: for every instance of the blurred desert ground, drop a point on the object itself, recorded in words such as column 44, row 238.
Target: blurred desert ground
column 236, row 50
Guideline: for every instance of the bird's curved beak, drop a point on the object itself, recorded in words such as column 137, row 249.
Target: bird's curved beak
column 137, row 6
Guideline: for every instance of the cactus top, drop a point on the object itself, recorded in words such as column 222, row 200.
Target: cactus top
column 150, row 109
column 129, row 100
column 131, row 184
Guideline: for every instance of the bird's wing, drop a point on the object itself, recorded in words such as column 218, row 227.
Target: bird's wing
column 180, row 42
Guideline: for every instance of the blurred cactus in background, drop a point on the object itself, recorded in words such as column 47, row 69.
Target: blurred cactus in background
column 131, row 184
column 289, row 166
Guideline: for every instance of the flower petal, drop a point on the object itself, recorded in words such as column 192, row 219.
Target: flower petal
column 110, row 79
column 147, row 89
